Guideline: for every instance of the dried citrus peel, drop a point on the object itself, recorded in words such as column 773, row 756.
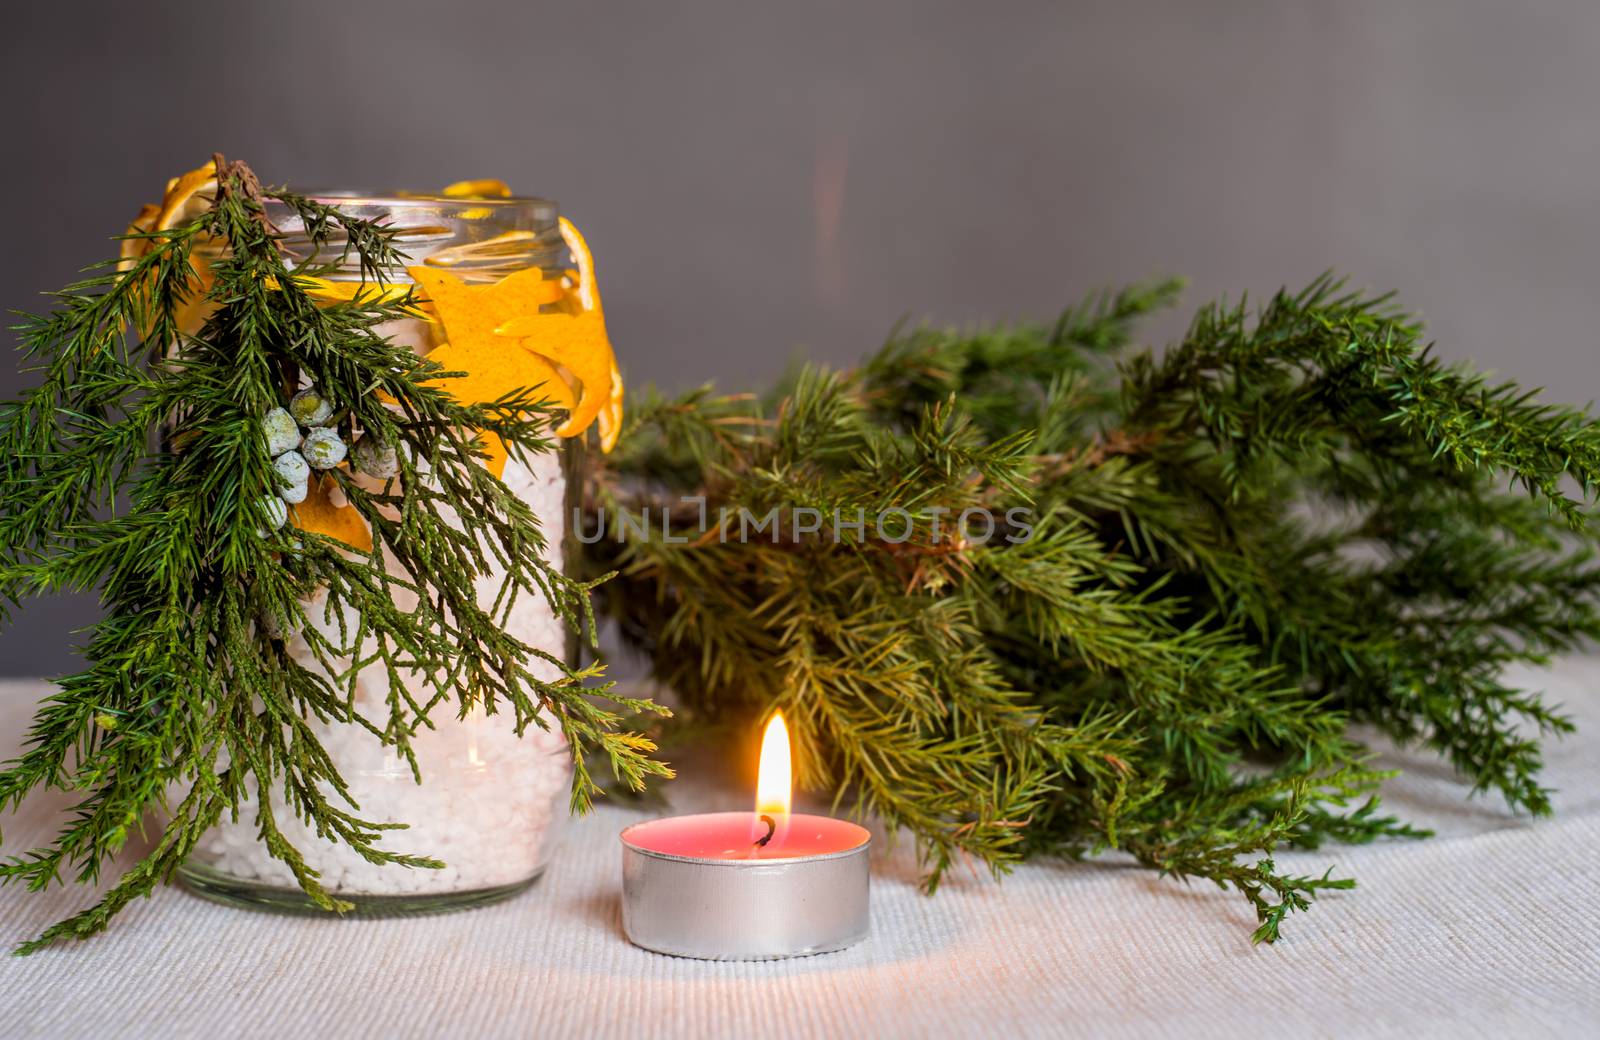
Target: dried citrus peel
column 610, row 421
column 500, row 335
column 586, row 294
column 578, row 344
column 344, row 292
column 569, row 342
column 587, row 290
column 469, row 315
column 573, row 339
column 549, row 352
column 341, row 523
column 482, row 188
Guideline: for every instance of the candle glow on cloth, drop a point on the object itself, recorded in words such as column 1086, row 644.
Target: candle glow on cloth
column 747, row 885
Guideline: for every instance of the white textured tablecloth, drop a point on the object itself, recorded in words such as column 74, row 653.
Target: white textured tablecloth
column 1490, row 929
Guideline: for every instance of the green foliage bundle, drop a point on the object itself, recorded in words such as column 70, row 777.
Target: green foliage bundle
column 1290, row 521
column 1204, row 566
column 185, row 688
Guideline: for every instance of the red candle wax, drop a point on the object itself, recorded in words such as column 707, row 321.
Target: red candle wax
column 735, row 836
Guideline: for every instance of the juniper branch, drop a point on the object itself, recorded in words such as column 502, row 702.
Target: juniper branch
column 1293, row 519
column 181, row 688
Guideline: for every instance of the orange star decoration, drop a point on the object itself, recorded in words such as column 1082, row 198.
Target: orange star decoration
column 576, row 339
column 498, row 335
column 469, row 315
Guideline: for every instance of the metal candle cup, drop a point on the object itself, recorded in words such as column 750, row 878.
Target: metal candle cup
column 747, row 885
column 692, row 887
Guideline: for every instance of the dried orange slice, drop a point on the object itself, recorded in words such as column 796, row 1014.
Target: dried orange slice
column 587, row 296
column 610, row 419
column 134, row 248
column 186, row 197
column 587, row 291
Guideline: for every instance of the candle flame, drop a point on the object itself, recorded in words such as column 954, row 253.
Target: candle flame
column 773, row 780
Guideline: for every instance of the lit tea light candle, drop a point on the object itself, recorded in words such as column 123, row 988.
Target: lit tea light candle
column 747, row 885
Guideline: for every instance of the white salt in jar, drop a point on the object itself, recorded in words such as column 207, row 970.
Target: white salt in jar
column 490, row 804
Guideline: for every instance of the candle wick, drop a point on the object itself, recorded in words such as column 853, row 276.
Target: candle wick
column 772, row 828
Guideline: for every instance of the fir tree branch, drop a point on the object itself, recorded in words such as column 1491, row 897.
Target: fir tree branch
column 1291, row 520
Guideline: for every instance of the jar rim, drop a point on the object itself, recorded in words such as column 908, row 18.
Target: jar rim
column 402, row 199
column 477, row 238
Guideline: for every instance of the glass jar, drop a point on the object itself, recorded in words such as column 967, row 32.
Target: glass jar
column 490, row 804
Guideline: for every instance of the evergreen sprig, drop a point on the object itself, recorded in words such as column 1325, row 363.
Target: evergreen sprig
column 186, row 691
column 1208, row 563
column 1293, row 519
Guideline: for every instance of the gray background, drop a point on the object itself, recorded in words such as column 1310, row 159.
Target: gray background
column 759, row 180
